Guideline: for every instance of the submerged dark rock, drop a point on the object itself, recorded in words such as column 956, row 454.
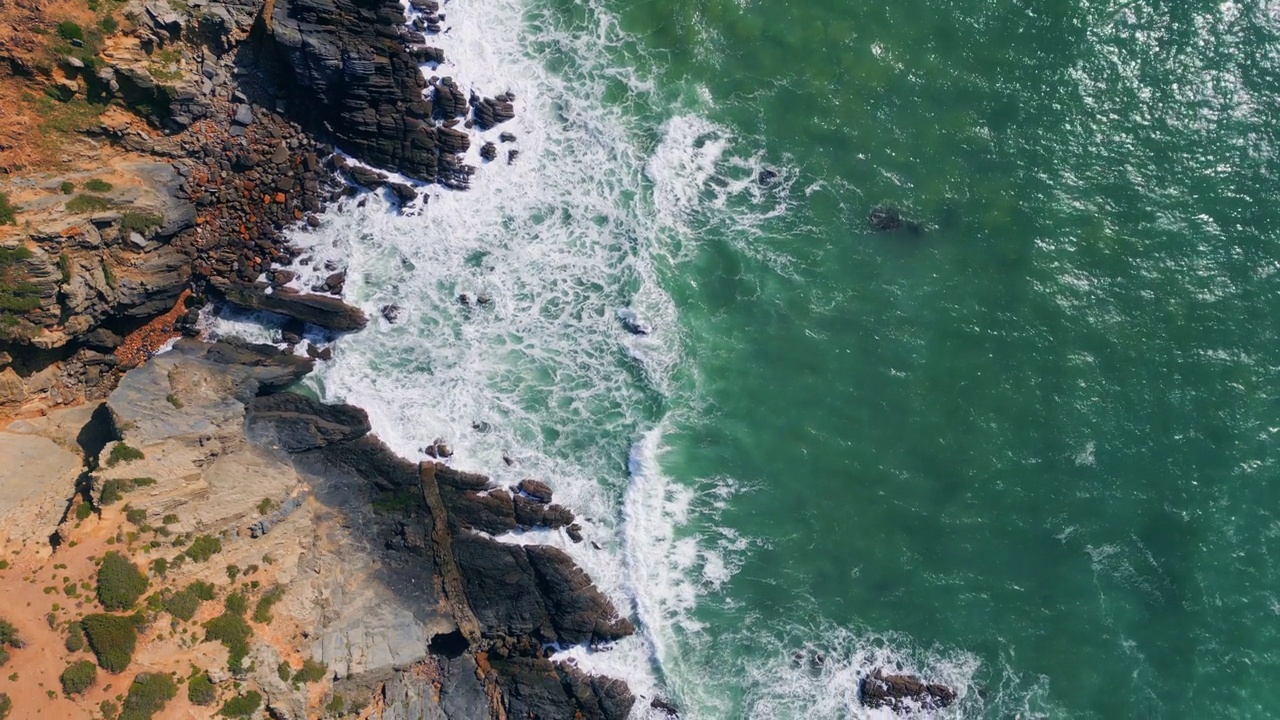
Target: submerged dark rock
column 886, row 218
column 903, row 693
column 659, row 704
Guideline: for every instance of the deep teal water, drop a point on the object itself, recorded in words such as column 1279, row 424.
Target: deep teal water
column 1031, row 451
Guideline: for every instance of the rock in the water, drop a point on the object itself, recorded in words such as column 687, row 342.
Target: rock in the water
column 321, row 310
column 535, row 489
column 766, row 177
column 439, row 449
column 492, row 111
column 659, row 704
column 404, row 194
column 390, row 313
column 489, row 151
column 886, row 218
column 633, row 323
column 903, row 693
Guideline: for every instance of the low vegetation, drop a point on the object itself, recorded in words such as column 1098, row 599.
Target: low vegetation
column 78, row 677
column 112, row 639
column 9, row 635
column 113, row 490
column 121, row 452
column 88, row 203
column 184, row 603
column 98, row 186
column 6, row 706
column 120, row 582
column 262, row 611
column 310, row 672
column 139, row 222
column 242, row 705
column 200, row 689
column 67, row 187
column 17, row 296
column 75, row 638
column 68, row 30
column 8, row 213
column 231, row 630
column 203, row 547
column 147, row 696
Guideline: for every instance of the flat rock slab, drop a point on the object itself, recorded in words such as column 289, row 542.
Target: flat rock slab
column 36, row 478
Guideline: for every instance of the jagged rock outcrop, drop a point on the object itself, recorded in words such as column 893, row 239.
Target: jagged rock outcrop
column 903, row 693
column 352, row 73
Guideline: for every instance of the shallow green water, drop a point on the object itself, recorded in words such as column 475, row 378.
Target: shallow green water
column 1031, row 451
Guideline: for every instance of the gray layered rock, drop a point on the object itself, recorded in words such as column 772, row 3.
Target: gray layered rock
column 319, row 310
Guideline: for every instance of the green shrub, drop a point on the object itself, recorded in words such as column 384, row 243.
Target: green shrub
column 232, row 631
column 202, row 589
column 108, row 709
column 64, row 267
column 183, row 604
column 78, row 677
column 120, row 582
column 242, row 705
column 159, row 567
column 111, row 493
column 311, row 671
column 136, row 516
column 87, row 203
column 266, row 506
column 7, row 211
column 9, row 635
column 4, row 657
column 285, row 672
column 169, row 519
column 203, row 548
column 262, row 611
column 68, row 30
column 233, row 572
column 75, row 638
column 6, row 706
column 139, row 222
column 147, row 695
column 67, row 187
column 142, row 481
column 337, row 705
column 98, row 186
column 237, row 603
column 83, row 511
column 112, row 639
column 200, row 690
column 108, row 25
column 123, row 453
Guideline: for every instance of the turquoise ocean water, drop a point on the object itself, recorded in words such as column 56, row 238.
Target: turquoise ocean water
column 1030, row 451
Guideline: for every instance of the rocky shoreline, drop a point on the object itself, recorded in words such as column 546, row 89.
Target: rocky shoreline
column 384, row 572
